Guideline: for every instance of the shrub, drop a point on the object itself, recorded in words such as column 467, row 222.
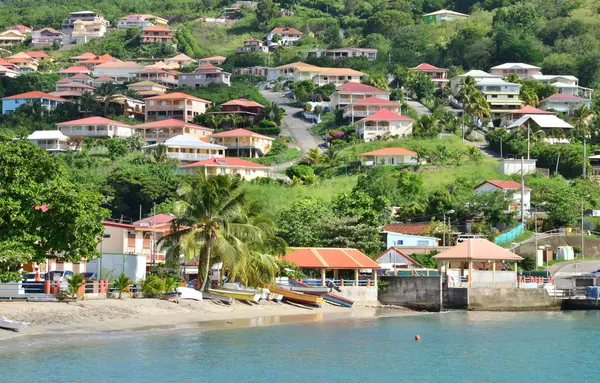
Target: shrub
column 302, row 172
column 122, row 284
column 153, row 285
column 74, row 283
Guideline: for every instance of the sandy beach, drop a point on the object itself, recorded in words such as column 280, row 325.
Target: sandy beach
column 139, row 314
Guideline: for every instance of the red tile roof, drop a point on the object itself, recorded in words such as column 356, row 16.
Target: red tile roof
column 226, row 162
column 563, row 97
column 427, row 67
column 92, row 121
column 118, row 224
column 386, row 115
column 528, row 109
column 34, row 94
column 8, row 64
column 207, row 66
column 239, row 132
column 170, row 123
column 390, row 152
column 75, row 69
column 480, row 249
column 287, row 31
column 504, row 185
column 358, row 87
column 375, row 101
column 37, row 54
column 177, row 95
column 105, row 78
column 81, row 76
column 84, row 56
column 243, row 102
column 330, row 258
column 159, row 219
column 157, row 28
column 407, row 228
column 213, row 58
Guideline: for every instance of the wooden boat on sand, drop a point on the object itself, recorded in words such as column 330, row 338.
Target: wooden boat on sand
column 13, row 325
column 320, row 291
column 189, row 293
column 215, row 297
column 327, row 296
column 242, row 295
column 296, row 297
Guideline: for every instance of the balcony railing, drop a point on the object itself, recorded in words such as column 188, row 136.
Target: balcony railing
column 165, row 107
column 89, row 133
column 53, row 146
column 190, row 156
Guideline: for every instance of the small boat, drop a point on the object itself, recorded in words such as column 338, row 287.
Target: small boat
column 292, row 296
column 275, row 297
column 188, row 293
column 338, row 300
column 242, row 295
column 171, row 297
column 215, row 297
column 10, row 324
column 320, row 291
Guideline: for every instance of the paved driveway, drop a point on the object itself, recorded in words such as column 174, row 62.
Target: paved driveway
column 293, row 125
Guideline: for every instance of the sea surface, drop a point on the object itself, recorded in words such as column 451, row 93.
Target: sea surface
column 454, row 347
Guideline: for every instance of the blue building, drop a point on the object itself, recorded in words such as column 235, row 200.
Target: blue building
column 408, row 240
column 48, row 101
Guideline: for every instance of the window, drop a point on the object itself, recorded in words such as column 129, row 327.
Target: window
column 248, row 172
column 223, row 170
column 399, row 242
column 422, row 243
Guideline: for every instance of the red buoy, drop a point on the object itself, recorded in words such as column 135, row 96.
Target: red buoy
column 417, row 337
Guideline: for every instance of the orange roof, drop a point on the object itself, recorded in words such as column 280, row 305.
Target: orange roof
column 208, row 66
column 157, row 28
column 92, row 121
column 330, row 258
column 427, row 67
column 74, row 69
column 287, row 31
column 34, row 95
column 36, row 54
column 477, row 249
column 239, row 132
column 177, row 95
column 105, row 78
column 81, row 76
column 340, row 71
column 170, row 123
column 84, row 56
column 243, row 102
column 226, row 162
column 528, row 109
column 386, row 115
column 504, row 185
column 390, row 152
column 181, row 56
column 119, row 64
column 100, row 59
column 357, row 87
column 214, row 58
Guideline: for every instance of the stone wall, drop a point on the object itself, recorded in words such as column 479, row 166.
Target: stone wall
column 418, row 293
column 361, row 295
column 511, row 299
column 456, row 298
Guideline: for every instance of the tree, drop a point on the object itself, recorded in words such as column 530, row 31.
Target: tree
column 332, row 37
column 266, row 11
column 421, row 84
column 302, row 172
column 122, row 284
column 387, row 22
column 42, row 213
column 427, row 126
column 378, row 81
column 298, row 224
column 116, row 148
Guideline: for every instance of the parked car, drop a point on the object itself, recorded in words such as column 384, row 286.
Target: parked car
column 60, row 275
column 30, row 277
column 89, row 276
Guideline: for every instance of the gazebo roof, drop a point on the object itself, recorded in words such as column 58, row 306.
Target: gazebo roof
column 330, row 258
column 477, row 249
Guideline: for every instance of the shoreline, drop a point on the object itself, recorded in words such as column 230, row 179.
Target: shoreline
column 131, row 315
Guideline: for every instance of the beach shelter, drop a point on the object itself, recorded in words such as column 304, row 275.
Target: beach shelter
column 479, row 251
column 329, row 258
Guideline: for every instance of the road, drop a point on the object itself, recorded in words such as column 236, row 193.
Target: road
column 562, row 272
column 418, row 107
column 293, row 125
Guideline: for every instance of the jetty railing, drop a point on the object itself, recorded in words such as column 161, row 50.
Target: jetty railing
column 340, row 282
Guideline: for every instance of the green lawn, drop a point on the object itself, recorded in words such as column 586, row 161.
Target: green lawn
column 289, row 154
column 221, row 40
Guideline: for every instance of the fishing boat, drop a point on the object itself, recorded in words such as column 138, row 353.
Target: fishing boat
column 12, row 325
column 215, row 297
column 292, row 296
column 320, row 291
column 188, row 293
column 275, row 297
column 327, row 297
column 171, row 297
column 251, row 296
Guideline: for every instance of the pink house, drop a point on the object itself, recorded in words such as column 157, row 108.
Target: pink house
column 437, row 75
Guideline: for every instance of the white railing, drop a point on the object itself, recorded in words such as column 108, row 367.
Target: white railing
column 191, row 156
column 88, row 133
column 53, row 146
column 165, row 107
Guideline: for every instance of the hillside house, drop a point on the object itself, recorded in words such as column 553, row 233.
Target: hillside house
column 179, row 106
column 203, row 75
column 26, row 63
column 148, row 88
column 443, row 15
column 85, row 31
column 252, row 45
column 166, row 77
column 215, row 60
column 160, row 131
column 181, row 60
column 10, row 38
column 98, row 127
column 52, row 141
column 68, row 25
column 233, row 166
column 140, row 21
column 243, row 143
column 129, row 107
column 187, row 148
column 41, row 56
column 83, row 57
column 48, row 101
column 351, row 92
column 20, row 28
column 389, row 156
column 337, row 76
column 157, row 34
column 74, row 70
column 7, row 72
column 384, row 122
column 520, row 69
column 565, row 84
column 513, row 116
column 289, row 36
column 511, row 189
column 46, row 37
column 502, row 96
column 457, row 82
column 564, row 103
column 82, row 79
column 121, row 72
column 437, row 75
column 368, row 106
column 393, row 259
column 343, row 53
column 548, row 124
column 242, row 107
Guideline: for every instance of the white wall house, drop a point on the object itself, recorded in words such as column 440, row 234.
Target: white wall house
column 389, row 156
column 512, row 190
column 50, row 140
column 95, row 127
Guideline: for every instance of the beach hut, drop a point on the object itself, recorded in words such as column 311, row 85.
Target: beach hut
column 474, row 258
column 335, row 259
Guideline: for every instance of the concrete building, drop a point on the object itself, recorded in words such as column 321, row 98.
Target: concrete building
column 82, row 78
column 337, row 76
column 565, row 84
column 389, row 156
column 20, row 28
column 443, row 15
column 41, row 56
column 251, row 71
column 564, row 103
column 510, row 166
column 46, row 37
column 252, row 45
column 119, row 71
column 242, row 107
column 437, row 75
column 343, row 53
column 512, row 190
column 68, row 25
column 502, row 96
column 289, row 36
column 548, row 124
column 129, row 107
column 166, row 77
column 243, row 143
column 10, row 38
column 98, row 127
column 157, row 34
column 6, row 72
column 74, row 70
column 457, row 82
column 368, row 106
column 300, row 71
column 26, row 63
column 52, row 141
column 187, row 149
column 513, row 116
column 520, row 69
column 351, row 92
column 409, row 240
column 233, row 166
column 384, row 122
column 148, row 88
column 48, row 101
column 394, row 259
column 85, row 31
column 203, row 75
column 140, row 21
column 160, row 131
column 179, row 106
column 181, row 60
column 9, row 65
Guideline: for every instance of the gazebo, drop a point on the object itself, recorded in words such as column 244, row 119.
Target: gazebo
column 329, row 258
column 476, row 255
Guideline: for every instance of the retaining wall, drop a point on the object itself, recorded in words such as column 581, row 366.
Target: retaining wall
column 361, row 295
column 456, row 298
column 511, row 299
column 418, row 293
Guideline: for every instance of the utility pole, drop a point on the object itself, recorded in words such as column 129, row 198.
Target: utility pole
column 501, row 156
column 584, row 158
column 522, row 194
column 153, row 247
column 528, row 140
column 582, row 241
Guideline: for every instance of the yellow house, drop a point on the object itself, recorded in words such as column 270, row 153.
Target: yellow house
column 243, row 143
column 231, row 166
column 25, row 62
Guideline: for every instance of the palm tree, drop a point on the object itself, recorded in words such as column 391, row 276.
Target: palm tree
column 159, row 155
column 474, row 154
column 212, row 224
column 108, row 92
column 239, row 120
column 87, row 103
column 313, row 157
column 427, row 126
column 529, row 96
column 122, row 284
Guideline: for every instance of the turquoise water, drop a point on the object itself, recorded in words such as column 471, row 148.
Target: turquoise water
column 455, row 347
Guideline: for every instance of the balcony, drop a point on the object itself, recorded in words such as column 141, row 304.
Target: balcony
column 87, row 133
column 192, row 156
column 165, row 107
column 53, row 146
